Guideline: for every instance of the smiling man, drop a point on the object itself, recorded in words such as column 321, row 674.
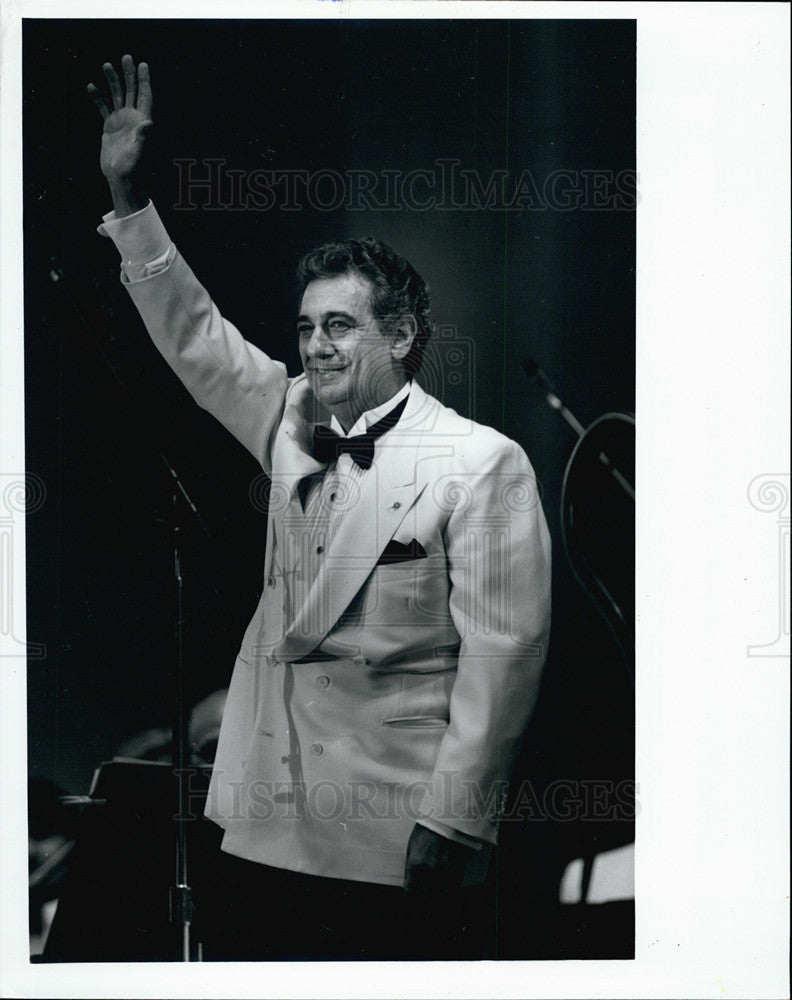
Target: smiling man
column 352, row 364
column 386, row 679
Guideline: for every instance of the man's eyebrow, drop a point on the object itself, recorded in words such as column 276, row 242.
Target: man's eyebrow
column 302, row 318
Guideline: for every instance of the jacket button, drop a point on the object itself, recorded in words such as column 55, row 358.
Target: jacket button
column 317, row 749
column 271, row 581
column 360, row 661
column 322, row 681
column 271, row 661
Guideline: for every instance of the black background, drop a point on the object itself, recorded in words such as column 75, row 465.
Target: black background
column 101, row 405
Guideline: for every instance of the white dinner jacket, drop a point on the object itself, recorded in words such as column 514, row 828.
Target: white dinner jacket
column 323, row 766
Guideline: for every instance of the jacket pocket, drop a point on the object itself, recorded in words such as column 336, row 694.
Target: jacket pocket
column 415, row 722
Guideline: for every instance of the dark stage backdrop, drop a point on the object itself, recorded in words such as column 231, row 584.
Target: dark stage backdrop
column 497, row 156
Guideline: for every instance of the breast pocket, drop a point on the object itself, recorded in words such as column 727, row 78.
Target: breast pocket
column 406, row 591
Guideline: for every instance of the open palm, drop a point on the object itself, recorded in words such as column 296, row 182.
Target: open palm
column 128, row 122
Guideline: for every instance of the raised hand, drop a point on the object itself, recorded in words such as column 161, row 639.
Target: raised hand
column 127, row 123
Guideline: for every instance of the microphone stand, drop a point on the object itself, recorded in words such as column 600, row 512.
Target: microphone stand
column 591, row 581
column 533, row 371
column 182, row 511
column 181, row 904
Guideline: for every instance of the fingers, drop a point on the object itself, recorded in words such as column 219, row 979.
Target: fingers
column 130, row 80
column 115, row 85
column 144, row 99
column 137, row 85
column 99, row 100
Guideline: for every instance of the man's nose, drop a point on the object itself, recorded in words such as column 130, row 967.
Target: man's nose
column 318, row 344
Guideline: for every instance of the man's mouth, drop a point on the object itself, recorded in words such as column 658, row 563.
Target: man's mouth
column 326, row 371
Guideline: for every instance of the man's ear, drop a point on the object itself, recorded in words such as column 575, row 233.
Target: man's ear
column 402, row 335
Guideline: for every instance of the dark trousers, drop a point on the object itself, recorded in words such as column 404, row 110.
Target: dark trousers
column 251, row 912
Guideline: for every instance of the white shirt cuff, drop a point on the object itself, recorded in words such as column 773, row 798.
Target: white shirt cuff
column 140, row 238
column 451, row 834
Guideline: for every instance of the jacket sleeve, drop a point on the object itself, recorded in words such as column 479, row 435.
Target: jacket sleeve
column 226, row 375
column 498, row 551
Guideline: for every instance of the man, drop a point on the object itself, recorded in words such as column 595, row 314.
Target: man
column 386, row 679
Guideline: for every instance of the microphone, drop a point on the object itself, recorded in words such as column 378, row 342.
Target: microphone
column 533, row 371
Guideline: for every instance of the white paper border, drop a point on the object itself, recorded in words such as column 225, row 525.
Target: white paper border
column 713, row 413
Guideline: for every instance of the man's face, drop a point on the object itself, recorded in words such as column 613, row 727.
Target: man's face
column 347, row 359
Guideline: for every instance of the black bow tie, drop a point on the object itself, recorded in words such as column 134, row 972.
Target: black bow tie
column 327, row 445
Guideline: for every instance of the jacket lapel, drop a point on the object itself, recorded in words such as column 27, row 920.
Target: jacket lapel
column 387, row 492
column 292, row 457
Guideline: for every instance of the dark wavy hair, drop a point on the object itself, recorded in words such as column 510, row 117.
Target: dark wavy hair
column 397, row 288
